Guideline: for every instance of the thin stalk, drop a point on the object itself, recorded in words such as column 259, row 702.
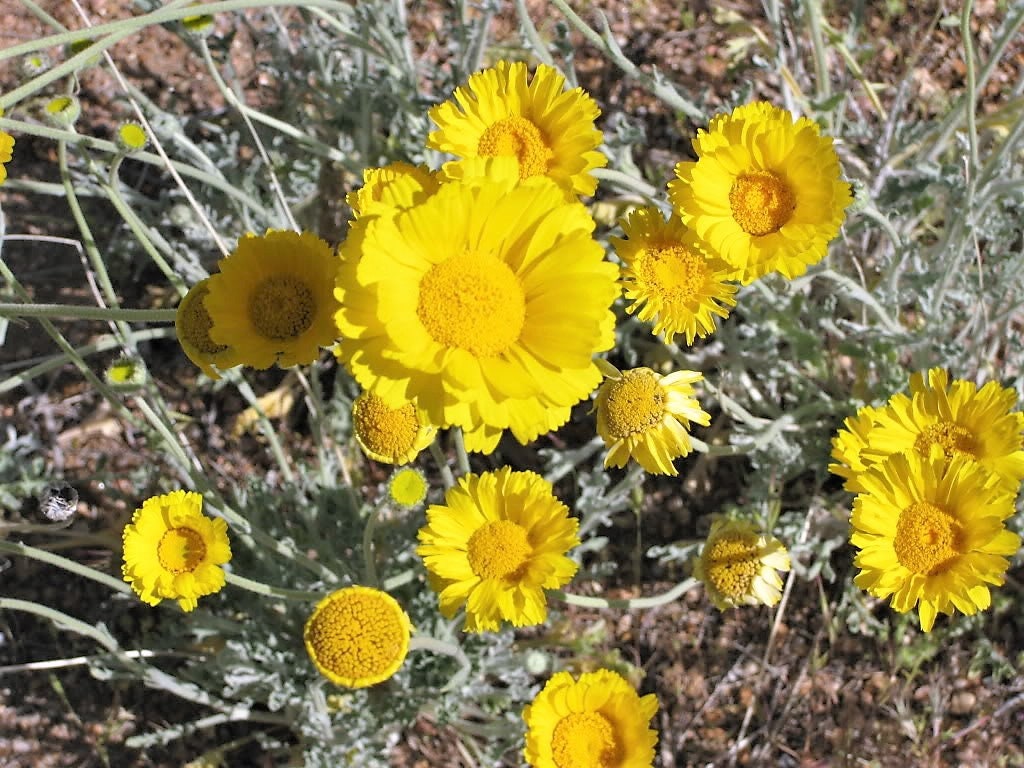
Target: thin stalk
column 17, row 548
column 60, row 620
column 259, row 588
column 460, row 451
column 87, row 312
column 442, row 462
column 628, row 604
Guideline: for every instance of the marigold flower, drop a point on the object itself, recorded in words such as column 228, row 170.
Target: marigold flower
column 645, row 416
column 408, row 487
column 192, row 325
column 389, row 435
column 272, row 301
column 496, row 544
column 357, row 636
column 738, row 565
column 669, row 278
column 172, row 551
column 930, row 533
column 549, row 130
column 395, row 186
column 484, row 304
column 598, row 721
column 764, row 192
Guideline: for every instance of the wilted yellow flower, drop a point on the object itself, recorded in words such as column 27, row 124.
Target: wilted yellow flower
column 192, row 325
column 739, row 565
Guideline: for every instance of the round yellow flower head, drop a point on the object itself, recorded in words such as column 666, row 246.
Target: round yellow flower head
column 389, row 435
column 192, row 325
column 63, row 111
column 272, row 301
column 484, row 304
column 501, row 112
column 930, row 533
column 131, row 137
column 408, row 487
column 172, row 551
column 598, row 721
column 739, row 565
column 645, row 416
column 764, row 192
column 357, row 636
column 396, row 186
column 668, row 278
column 496, row 544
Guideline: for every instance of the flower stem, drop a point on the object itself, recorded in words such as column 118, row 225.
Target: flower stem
column 634, row 603
column 444, row 648
column 86, row 312
column 259, row 588
column 60, row 620
column 17, row 548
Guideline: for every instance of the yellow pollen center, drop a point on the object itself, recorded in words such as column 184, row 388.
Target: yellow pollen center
column 357, row 634
column 636, row 403
column 585, row 740
column 731, row 565
column 498, row 549
column 952, row 438
column 473, row 302
column 927, row 539
column 195, row 323
column 387, row 431
column 761, row 202
column 282, row 307
column 181, row 550
column 517, row 136
column 675, row 273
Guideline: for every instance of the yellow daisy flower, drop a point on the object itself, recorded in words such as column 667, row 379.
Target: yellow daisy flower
column 548, row 129
column 357, row 636
column 645, row 416
column 397, row 185
column 172, row 551
column 192, row 325
column 956, row 416
column 273, row 300
column 930, row 532
column 389, row 435
column 669, row 279
column 484, row 304
column 6, row 151
column 849, row 444
column 598, row 721
column 739, row 565
column 496, row 544
column 764, row 192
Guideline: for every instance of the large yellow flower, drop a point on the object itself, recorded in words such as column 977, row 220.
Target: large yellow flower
column 548, row 129
column 598, row 721
column 645, row 416
column 192, row 325
column 764, row 192
column 669, row 278
column 930, row 532
column 496, row 544
column 395, row 186
column 390, row 435
column 739, row 565
column 484, row 304
column 273, row 300
column 172, row 551
column 357, row 636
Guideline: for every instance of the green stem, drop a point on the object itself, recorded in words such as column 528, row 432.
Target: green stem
column 442, row 462
column 61, row 620
column 259, row 588
column 86, row 312
column 460, row 451
column 444, row 648
column 633, row 603
column 369, row 554
column 17, row 548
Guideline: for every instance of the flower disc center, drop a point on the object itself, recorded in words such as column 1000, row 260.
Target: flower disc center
column 675, row 273
column 731, row 566
column 282, row 307
column 585, row 740
column 195, row 323
column 951, row 437
column 181, row 550
column 761, row 202
column 636, row 402
column 384, row 430
column 517, row 136
column 473, row 302
column 927, row 538
column 498, row 549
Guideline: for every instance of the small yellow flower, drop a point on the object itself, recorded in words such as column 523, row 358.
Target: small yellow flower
column 764, row 192
column 389, row 435
column 669, row 279
column 172, row 551
column 645, row 416
column 273, row 300
column 131, row 137
column 408, row 487
column 357, row 636
column 598, row 721
column 549, row 130
column 496, row 544
column 930, row 533
column 394, row 187
column 739, row 565
column 6, row 151
column 63, row 111
column 126, row 374
column 192, row 325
